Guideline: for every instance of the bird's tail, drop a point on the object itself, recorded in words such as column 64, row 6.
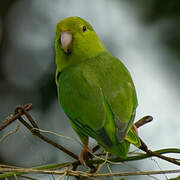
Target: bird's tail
column 133, row 138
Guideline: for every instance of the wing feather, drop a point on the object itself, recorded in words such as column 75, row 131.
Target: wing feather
column 83, row 101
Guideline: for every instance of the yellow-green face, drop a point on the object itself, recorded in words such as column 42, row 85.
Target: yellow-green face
column 75, row 41
column 74, row 24
column 72, row 29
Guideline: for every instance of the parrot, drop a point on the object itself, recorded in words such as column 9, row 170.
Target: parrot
column 95, row 89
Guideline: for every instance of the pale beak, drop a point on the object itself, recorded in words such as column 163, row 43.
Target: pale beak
column 66, row 41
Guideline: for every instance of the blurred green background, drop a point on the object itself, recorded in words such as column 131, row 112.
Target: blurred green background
column 145, row 35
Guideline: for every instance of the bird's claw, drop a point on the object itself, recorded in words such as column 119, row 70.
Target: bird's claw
column 135, row 128
column 84, row 155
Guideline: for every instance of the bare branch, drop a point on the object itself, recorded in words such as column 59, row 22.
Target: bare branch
column 88, row 162
column 12, row 118
column 81, row 173
column 19, row 111
column 135, row 158
column 49, row 141
column 143, row 121
column 32, row 126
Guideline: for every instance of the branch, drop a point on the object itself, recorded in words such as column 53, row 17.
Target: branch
column 81, row 173
column 12, row 118
column 32, row 126
column 46, row 167
column 88, row 162
column 143, row 121
column 19, row 111
column 134, row 158
column 46, row 139
column 144, row 148
column 9, row 133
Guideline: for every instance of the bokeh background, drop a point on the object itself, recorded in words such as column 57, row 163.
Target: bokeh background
column 145, row 35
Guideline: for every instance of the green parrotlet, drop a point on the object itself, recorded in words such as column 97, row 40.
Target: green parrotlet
column 95, row 89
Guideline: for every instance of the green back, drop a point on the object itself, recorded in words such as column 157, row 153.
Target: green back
column 99, row 94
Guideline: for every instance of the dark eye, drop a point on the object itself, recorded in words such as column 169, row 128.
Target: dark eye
column 84, row 28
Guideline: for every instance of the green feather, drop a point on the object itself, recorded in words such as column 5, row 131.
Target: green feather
column 95, row 89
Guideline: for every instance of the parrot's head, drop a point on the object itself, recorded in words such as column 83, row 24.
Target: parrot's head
column 76, row 41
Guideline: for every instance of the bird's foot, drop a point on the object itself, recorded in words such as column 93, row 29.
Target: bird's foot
column 135, row 128
column 84, row 155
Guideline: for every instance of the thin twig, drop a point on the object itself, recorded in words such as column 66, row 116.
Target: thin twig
column 110, row 171
column 62, row 176
column 12, row 118
column 8, row 166
column 156, row 154
column 9, row 133
column 19, row 111
column 85, row 174
column 90, row 162
column 144, row 147
column 101, row 165
column 49, row 141
column 169, row 159
column 45, row 167
column 59, row 135
column 134, row 158
column 143, row 121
